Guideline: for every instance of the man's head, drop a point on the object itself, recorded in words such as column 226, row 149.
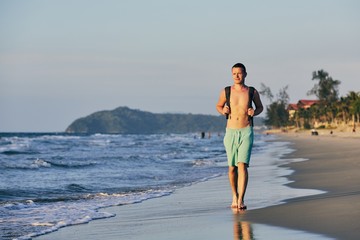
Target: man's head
column 239, row 73
column 240, row 65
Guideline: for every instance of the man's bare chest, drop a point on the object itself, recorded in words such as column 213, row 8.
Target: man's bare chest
column 239, row 100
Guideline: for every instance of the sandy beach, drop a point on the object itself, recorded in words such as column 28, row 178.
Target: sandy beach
column 333, row 166
column 201, row 211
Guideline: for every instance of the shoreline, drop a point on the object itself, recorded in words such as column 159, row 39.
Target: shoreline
column 332, row 166
column 202, row 210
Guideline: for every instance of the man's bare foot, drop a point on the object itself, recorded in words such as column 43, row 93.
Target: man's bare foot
column 234, row 203
column 242, row 206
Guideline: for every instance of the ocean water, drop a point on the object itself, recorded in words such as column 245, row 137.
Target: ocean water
column 49, row 181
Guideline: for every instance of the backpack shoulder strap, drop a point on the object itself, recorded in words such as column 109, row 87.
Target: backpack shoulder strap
column 251, row 98
column 227, row 95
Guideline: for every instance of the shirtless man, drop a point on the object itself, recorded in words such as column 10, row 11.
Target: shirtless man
column 239, row 135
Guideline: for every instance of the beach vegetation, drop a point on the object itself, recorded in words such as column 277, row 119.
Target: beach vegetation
column 328, row 111
column 276, row 114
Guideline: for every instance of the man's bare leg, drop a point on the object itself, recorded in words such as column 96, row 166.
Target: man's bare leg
column 233, row 178
column 242, row 184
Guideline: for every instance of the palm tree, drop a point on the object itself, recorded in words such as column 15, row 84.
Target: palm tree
column 326, row 91
column 327, row 88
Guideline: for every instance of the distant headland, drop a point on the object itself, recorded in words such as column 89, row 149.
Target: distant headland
column 124, row 120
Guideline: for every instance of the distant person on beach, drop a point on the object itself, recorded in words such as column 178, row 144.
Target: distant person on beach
column 239, row 136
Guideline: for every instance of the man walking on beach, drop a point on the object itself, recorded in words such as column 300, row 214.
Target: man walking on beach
column 239, row 135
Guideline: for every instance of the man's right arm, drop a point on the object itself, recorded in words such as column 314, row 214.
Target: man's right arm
column 220, row 106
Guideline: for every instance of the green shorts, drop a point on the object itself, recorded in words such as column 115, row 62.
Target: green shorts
column 238, row 144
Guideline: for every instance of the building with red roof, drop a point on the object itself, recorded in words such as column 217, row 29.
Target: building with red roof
column 301, row 104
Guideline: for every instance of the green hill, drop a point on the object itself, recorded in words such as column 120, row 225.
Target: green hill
column 129, row 121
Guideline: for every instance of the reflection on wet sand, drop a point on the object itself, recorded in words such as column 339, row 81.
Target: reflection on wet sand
column 242, row 229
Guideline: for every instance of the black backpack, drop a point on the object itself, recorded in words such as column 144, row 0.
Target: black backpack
column 251, row 97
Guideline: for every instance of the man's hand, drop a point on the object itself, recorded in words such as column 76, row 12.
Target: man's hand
column 226, row 110
column 251, row 112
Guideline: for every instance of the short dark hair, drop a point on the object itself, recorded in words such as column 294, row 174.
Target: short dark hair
column 240, row 65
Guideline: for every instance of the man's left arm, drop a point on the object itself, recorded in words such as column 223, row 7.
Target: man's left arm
column 258, row 104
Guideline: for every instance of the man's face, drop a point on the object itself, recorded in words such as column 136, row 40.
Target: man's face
column 238, row 75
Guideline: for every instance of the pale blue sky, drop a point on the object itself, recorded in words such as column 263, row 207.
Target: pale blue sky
column 61, row 60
